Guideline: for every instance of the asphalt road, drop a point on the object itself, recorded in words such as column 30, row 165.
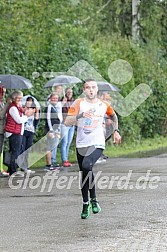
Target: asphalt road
column 40, row 214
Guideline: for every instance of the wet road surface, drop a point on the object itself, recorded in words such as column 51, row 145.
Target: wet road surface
column 40, row 214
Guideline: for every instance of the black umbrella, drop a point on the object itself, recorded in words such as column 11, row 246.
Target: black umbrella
column 15, row 81
column 62, row 80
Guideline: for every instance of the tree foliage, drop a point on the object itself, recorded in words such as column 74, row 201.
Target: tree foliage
column 51, row 36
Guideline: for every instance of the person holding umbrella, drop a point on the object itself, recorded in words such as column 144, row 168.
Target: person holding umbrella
column 3, row 109
column 57, row 84
column 14, row 128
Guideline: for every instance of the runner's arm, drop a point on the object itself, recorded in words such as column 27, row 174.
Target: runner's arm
column 112, row 115
column 73, row 114
column 114, row 119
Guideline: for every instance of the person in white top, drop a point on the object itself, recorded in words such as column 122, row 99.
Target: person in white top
column 88, row 113
column 29, row 130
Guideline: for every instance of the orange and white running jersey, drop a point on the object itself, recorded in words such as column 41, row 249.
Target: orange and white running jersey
column 90, row 131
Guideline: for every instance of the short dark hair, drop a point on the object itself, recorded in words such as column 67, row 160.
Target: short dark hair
column 88, row 80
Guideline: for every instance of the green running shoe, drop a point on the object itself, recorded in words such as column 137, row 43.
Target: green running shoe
column 95, row 206
column 85, row 211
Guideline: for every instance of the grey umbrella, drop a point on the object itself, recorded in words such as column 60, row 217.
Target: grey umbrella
column 15, row 81
column 62, row 80
column 105, row 86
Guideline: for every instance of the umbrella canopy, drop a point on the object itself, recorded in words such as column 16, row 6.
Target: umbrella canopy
column 62, row 80
column 15, row 81
column 35, row 100
column 105, row 86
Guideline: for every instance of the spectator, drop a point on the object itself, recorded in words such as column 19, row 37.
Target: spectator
column 107, row 123
column 67, row 132
column 59, row 91
column 52, row 128
column 29, row 129
column 15, row 128
column 3, row 109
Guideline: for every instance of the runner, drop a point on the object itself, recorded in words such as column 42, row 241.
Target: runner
column 88, row 113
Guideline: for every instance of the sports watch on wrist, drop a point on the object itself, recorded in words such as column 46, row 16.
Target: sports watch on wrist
column 117, row 130
column 79, row 116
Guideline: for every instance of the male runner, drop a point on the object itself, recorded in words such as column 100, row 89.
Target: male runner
column 88, row 114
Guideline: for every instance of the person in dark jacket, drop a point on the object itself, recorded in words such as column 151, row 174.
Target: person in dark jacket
column 52, row 128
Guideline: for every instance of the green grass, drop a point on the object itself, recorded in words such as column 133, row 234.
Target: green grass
column 140, row 148
column 72, row 155
column 157, row 144
column 145, row 147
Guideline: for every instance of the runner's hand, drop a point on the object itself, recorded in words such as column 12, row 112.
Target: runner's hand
column 88, row 114
column 117, row 138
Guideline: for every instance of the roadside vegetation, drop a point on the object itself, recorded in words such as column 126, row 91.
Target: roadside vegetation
column 146, row 148
column 39, row 38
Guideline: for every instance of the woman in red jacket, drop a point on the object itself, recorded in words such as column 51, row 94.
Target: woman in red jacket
column 15, row 128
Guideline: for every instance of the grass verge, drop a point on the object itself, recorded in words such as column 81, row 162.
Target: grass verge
column 144, row 147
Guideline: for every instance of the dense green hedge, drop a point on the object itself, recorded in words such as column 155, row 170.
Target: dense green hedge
column 51, row 36
column 148, row 67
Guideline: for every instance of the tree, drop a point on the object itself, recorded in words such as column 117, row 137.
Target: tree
column 135, row 21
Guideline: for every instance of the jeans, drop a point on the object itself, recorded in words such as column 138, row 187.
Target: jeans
column 26, row 144
column 87, row 157
column 54, row 154
column 53, row 148
column 67, row 134
column 15, row 142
